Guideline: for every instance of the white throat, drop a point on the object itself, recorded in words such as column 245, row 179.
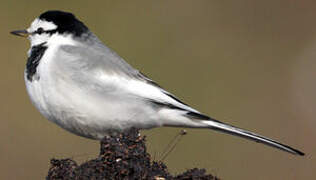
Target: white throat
column 54, row 41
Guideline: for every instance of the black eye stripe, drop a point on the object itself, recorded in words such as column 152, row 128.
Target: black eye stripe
column 51, row 31
column 41, row 30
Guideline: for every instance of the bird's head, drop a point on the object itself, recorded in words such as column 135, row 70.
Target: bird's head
column 50, row 24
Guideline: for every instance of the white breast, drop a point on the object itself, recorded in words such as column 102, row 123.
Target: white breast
column 52, row 95
column 75, row 107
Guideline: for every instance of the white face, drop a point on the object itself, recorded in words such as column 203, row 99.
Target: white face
column 38, row 38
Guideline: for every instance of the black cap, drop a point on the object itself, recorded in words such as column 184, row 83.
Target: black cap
column 66, row 22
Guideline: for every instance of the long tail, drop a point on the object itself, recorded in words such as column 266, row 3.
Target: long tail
column 226, row 128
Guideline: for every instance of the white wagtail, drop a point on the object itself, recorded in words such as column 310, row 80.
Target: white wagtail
column 80, row 84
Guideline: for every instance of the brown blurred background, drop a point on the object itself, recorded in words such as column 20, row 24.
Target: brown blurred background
column 248, row 63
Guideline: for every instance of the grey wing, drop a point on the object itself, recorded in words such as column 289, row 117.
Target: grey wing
column 98, row 55
column 101, row 59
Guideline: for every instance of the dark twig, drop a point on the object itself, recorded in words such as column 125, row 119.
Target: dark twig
column 172, row 144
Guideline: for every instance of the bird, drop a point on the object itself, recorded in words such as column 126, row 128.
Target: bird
column 83, row 86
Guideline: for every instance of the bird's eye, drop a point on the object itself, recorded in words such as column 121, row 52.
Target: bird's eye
column 40, row 30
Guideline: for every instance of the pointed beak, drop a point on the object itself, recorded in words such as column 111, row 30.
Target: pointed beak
column 22, row 33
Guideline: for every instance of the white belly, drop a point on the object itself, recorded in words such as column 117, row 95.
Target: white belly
column 80, row 111
column 65, row 95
